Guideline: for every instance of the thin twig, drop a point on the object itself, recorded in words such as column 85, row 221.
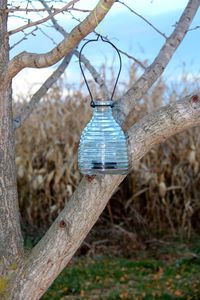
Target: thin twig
column 133, row 58
column 80, row 9
column 194, row 28
column 24, row 38
column 44, row 19
column 144, row 19
column 121, row 51
column 48, row 36
column 125, row 53
column 35, row 10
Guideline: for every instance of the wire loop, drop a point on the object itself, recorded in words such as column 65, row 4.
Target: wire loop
column 120, row 66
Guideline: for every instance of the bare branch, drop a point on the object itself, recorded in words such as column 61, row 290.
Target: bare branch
column 132, row 58
column 30, row 24
column 24, row 37
column 144, row 19
column 48, row 36
column 27, row 110
column 96, row 76
column 33, row 60
column 127, row 103
column 64, row 237
column 121, row 51
column 53, row 10
column 80, row 9
column 125, row 53
column 194, row 28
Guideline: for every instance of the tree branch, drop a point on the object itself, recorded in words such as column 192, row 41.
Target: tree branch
column 33, row 60
column 27, row 110
column 194, row 28
column 106, row 38
column 127, row 103
column 96, row 76
column 57, row 247
column 144, row 19
column 132, row 58
column 24, row 37
column 36, row 10
column 31, row 24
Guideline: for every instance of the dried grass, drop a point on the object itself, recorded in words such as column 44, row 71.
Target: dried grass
column 161, row 194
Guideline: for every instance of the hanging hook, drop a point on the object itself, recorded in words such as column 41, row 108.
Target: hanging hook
column 120, row 65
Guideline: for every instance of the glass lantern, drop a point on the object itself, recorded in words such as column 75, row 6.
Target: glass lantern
column 103, row 144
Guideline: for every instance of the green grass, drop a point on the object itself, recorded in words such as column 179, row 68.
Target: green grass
column 112, row 278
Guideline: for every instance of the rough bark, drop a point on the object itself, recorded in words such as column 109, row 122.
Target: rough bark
column 66, row 234
column 10, row 233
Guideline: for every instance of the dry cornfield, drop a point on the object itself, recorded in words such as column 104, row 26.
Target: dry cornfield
column 160, row 195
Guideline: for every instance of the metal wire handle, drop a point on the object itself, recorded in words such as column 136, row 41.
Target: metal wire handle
column 120, row 67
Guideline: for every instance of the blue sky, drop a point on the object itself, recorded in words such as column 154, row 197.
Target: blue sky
column 129, row 33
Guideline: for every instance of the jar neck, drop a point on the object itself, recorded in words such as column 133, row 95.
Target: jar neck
column 103, row 106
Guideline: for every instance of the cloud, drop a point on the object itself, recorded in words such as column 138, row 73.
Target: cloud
column 29, row 80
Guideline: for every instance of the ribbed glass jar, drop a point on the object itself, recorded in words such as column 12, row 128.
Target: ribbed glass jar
column 103, row 146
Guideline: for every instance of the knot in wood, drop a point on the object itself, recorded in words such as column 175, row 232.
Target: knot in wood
column 195, row 98
column 62, row 224
column 90, row 177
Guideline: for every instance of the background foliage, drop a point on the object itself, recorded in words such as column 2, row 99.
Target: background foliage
column 160, row 196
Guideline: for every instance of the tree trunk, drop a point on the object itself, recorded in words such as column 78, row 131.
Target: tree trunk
column 10, row 232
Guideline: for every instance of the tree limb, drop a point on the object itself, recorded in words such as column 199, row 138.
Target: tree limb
column 36, row 10
column 96, row 76
column 61, row 241
column 144, row 19
column 38, row 22
column 127, row 103
column 35, row 99
column 132, row 58
column 106, row 38
column 27, row 110
column 33, row 60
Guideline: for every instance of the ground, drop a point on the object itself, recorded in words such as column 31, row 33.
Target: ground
column 166, row 270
